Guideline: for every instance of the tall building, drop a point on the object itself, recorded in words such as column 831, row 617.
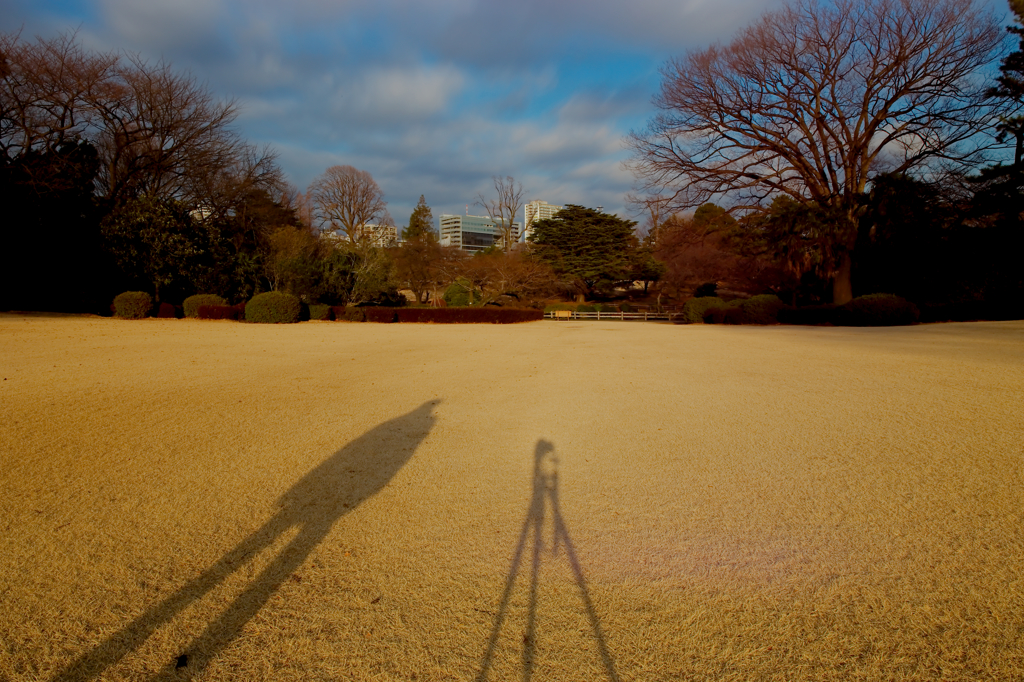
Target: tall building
column 377, row 235
column 538, row 210
column 473, row 232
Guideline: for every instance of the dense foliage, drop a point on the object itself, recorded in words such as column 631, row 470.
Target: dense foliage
column 591, row 249
column 695, row 309
column 133, row 305
column 319, row 311
column 273, row 307
column 421, row 223
column 876, row 310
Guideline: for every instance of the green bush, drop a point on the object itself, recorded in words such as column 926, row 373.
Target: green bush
column 626, row 308
column 192, row 303
column 319, row 312
column 559, row 306
column 457, row 294
column 762, row 309
column 133, row 305
column 586, row 308
column 877, row 310
column 273, row 307
column 695, row 309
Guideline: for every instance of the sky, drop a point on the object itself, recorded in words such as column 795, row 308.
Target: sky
column 432, row 98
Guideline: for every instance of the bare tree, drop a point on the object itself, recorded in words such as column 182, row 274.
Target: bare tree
column 813, row 100
column 164, row 133
column 504, row 208
column 48, row 92
column 655, row 210
column 157, row 132
column 348, row 199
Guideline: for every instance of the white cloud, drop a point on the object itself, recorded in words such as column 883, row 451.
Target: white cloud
column 400, row 93
column 158, row 25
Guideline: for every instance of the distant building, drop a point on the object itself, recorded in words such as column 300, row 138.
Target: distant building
column 538, row 210
column 377, row 235
column 473, row 232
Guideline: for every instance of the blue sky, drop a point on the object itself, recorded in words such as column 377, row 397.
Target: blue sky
column 431, row 98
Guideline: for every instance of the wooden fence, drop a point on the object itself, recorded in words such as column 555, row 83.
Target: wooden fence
column 644, row 316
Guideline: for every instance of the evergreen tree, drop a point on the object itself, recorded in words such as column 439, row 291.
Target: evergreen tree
column 590, row 248
column 421, row 223
column 1010, row 87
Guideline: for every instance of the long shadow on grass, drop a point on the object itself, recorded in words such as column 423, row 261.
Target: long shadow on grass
column 314, row 505
column 545, row 494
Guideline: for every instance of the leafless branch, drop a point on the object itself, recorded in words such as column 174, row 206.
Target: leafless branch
column 504, row 208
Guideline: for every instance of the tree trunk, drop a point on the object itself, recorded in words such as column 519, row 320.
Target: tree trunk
column 842, row 285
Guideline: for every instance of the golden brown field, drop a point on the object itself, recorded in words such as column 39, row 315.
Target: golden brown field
column 543, row 501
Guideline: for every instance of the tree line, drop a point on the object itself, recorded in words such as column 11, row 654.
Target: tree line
column 831, row 149
column 841, row 148
column 119, row 174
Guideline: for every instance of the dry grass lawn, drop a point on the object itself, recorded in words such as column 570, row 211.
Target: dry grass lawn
column 183, row 499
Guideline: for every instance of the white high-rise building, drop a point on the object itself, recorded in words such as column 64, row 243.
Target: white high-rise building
column 537, row 210
column 473, row 232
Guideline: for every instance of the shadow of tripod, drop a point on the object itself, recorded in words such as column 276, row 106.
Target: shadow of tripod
column 545, row 492
column 314, row 505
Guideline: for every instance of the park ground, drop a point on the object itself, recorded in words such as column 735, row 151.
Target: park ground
column 212, row 500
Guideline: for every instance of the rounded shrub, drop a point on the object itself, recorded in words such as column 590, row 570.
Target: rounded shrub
column 586, row 308
column 192, row 303
column 877, row 310
column 695, row 309
column 762, row 309
column 273, row 307
column 133, row 305
column 625, row 307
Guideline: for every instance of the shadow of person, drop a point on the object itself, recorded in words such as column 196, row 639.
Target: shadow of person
column 545, row 494
column 313, row 505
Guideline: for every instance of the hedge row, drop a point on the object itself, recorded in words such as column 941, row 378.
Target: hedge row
column 278, row 307
column 168, row 310
column 873, row 310
column 192, row 303
column 221, row 312
column 468, row 315
column 348, row 313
